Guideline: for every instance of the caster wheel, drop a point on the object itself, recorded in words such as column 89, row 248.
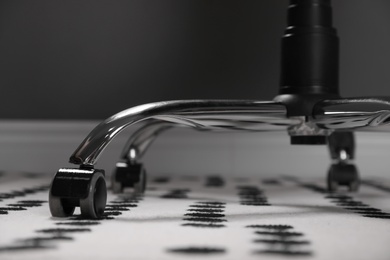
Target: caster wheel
column 84, row 188
column 93, row 205
column 343, row 175
column 332, row 185
column 60, row 207
column 140, row 186
column 128, row 175
column 354, row 185
column 116, row 186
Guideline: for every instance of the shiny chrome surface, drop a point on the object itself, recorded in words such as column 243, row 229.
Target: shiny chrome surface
column 140, row 140
column 343, row 156
column 198, row 114
column 364, row 114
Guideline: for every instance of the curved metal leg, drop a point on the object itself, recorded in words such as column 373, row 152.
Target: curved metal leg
column 129, row 172
column 363, row 114
column 199, row 114
column 85, row 187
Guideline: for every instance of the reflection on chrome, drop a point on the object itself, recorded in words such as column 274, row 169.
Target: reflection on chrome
column 353, row 113
column 216, row 115
column 198, row 114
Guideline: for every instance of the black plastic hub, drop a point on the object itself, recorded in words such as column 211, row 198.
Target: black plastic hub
column 311, row 140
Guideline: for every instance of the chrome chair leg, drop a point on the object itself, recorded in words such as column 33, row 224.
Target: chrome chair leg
column 197, row 114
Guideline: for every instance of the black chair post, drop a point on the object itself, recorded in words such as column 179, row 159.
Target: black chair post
column 310, row 56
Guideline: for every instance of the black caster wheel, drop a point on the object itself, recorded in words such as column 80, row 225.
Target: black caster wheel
column 128, row 175
column 116, row 186
column 343, row 174
column 84, row 188
column 61, row 207
column 93, row 205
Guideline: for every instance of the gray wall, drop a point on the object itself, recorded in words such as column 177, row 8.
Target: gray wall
column 89, row 59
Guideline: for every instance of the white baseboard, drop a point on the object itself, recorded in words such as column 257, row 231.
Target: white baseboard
column 45, row 146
